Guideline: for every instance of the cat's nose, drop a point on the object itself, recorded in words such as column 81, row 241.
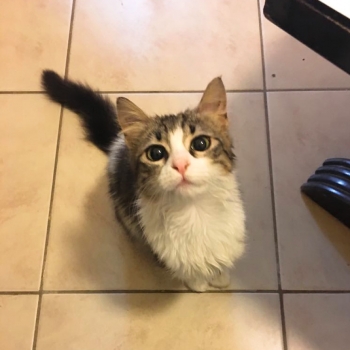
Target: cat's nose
column 180, row 165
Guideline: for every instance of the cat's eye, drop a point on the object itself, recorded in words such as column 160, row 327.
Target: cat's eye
column 156, row 152
column 200, row 143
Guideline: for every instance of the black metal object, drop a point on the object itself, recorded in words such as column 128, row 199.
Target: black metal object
column 330, row 188
column 316, row 25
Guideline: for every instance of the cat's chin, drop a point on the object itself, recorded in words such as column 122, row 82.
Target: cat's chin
column 185, row 184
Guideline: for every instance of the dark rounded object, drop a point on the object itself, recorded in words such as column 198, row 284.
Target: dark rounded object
column 332, row 180
column 156, row 153
column 329, row 187
column 200, row 143
column 338, row 162
column 330, row 198
column 339, row 171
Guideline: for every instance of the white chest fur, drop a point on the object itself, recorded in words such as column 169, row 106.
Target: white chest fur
column 195, row 237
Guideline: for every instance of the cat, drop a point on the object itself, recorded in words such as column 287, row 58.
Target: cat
column 171, row 178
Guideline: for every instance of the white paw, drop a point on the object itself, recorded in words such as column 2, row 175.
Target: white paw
column 221, row 280
column 199, row 286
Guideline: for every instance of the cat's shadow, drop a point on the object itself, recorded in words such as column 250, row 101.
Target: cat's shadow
column 107, row 260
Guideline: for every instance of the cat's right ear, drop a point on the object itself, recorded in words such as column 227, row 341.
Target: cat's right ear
column 131, row 119
column 214, row 102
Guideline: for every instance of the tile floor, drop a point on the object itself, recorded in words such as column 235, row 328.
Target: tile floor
column 69, row 278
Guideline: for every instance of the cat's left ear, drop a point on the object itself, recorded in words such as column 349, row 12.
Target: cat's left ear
column 213, row 103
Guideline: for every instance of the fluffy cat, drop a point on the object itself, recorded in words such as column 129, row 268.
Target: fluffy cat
column 172, row 178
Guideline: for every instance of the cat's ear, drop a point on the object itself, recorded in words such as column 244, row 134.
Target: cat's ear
column 131, row 118
column 214, row 102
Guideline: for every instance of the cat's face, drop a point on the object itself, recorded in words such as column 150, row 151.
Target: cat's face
column 182, row 154
column 185, row 154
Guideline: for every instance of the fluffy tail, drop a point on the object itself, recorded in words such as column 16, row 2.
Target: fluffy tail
column 97, row 113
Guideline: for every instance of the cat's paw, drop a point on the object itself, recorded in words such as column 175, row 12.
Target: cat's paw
column 198, row 286
column 221, row 280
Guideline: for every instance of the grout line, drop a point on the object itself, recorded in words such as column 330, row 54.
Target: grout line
column 308, row 90
column 47, row 233
column 175, row 291
column 41, row 292
column 270, row 156
column 188, row 91
column 19, row 293
column 273, row 199
column 174, row 91
column 300, row 291
column 139, row 91
column 151, row 291
column 283, row 321
column 21, row 92
column 227, row 90
column 66, row 68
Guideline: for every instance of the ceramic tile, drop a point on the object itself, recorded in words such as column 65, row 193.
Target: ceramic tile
column 290, row 64
column 88, row 250
column 150, row 46
column 29, row 126
column 306, row 129
column 160, row 321
column 317, row 321
column 257, row 269
column 34, row 36
column 17, row 321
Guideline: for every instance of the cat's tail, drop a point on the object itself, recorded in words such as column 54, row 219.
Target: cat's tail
column 97, row 113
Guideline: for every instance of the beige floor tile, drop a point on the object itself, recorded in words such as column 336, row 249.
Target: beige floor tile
column 177, row 45
column 291, row 65
column 17, row 321
column 34, row 36
column 160, row 321
column 88, row 250
column 257, row 269
column 317, row 321
column 28, row 129
column 307, row 128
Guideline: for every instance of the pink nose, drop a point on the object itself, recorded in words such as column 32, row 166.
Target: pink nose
column 180, row 165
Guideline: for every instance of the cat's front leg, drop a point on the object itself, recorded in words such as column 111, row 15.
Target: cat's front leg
column 198, row 285
column 221, row 279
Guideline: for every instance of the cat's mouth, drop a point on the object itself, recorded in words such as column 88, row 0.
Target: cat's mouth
column 184, row 183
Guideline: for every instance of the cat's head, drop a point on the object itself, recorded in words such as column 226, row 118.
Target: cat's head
column 184, row 154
